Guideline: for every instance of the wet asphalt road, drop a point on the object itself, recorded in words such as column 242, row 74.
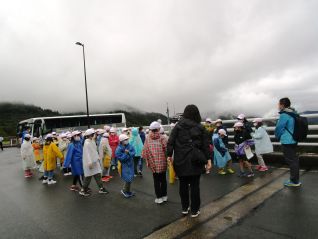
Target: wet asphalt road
column 32, row 210
column 29, row 209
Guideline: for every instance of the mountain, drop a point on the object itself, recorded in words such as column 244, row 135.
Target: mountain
column 12, row 113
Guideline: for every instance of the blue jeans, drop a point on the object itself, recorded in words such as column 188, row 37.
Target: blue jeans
column 114, row 162
column 48, row 174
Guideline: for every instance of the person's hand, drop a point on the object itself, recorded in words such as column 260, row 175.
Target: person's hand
column 209, row 165
column 90, row 166
column 126, row 151
column 170, row 159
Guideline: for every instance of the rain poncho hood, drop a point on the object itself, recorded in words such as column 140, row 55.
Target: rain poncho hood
column 136, row 142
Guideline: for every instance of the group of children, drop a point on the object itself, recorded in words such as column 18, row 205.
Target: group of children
column 94, row 153
column 244, row 138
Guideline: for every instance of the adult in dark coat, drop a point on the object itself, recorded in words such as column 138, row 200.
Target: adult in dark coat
column 189, row 145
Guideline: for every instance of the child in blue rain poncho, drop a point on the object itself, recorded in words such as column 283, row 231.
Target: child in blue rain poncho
column 74, row 158
column 222, row 157
column 125, row 154
column 136, row 142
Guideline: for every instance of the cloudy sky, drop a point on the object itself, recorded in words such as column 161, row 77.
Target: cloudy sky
column 224, row 56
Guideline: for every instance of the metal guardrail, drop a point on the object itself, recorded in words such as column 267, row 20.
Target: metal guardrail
column 310, row 145
column 271, row 129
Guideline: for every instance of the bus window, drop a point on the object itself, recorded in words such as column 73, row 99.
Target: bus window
column 37, row 128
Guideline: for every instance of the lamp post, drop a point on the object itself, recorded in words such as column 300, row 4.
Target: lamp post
column 87, row 110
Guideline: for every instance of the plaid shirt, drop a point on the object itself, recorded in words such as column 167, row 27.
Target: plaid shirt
column 154, row 152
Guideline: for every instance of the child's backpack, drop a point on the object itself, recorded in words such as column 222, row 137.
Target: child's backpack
column 300, row 129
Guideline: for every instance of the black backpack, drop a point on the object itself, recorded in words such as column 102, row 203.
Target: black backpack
column 301, row 127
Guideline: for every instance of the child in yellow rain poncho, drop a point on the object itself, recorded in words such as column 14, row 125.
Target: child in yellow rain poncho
column 105, row 155
column 50, row 153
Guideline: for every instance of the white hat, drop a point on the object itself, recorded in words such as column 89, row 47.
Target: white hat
column 208, row 120
column 76, row 132
column 53, row 133
column 27, row 136
column 100, row 131
column 112, row 130
column 241, row 116
column 124, row 130
column 123, row 137
column 147, row 131
column 238, row 124
column 222, row 131
column 154, row 125
column 106, row 135
column 63, row 135
column 34, row 138
column 89, row 132
column 218, row 121
column 162, row 130
column 48, row 136
column 258, row 120
column 107, row 127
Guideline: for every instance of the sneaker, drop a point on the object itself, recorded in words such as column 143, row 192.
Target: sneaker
column 242, row 174
column 89, row 190
column 221, row 172
column 263, row 169
column 105, row 179
column 165, row 199
column 69, row 174
column 83, row 193
column 110, row 177
column 185, row 212
column 207, row 172
column 125, row 194
column 74, row 188
column 103, row 191
column 131, row 194
column 44, row 181
column 257, row 167
column 159, row 201
column 289, row 183
column 250, row 175
column 193, row 215
column 230, row 171
column 50, row 182
column 28, row 175
column 140, row 174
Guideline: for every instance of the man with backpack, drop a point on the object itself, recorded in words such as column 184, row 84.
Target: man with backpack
column 290, row 129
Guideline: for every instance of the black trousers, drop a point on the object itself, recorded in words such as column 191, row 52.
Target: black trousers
column 190, row 184
column 78, row 178
column 160, row 183
column 291, row 158
column 1, row 146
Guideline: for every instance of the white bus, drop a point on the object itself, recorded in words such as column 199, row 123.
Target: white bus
column 41, row 126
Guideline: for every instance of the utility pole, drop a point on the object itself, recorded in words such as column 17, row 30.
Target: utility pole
column 168, row 114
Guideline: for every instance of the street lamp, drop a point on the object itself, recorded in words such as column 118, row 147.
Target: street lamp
column 87, row 110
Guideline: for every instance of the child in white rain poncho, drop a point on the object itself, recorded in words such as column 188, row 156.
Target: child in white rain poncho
column 27, row 156
column 263, row 144
column 91, row 164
